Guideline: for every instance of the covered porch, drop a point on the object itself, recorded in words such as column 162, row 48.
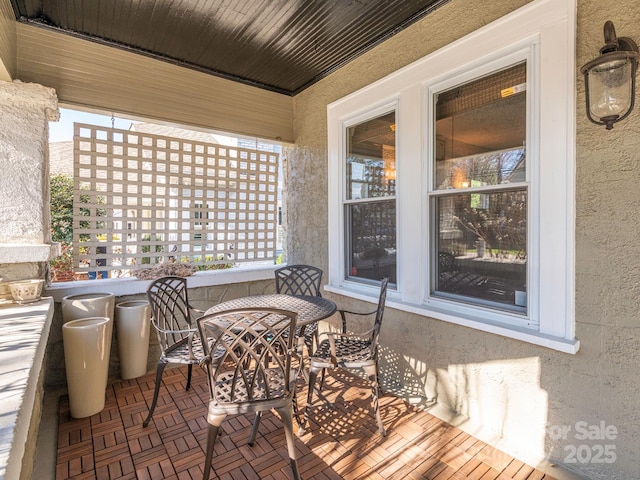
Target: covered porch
column 458, row 393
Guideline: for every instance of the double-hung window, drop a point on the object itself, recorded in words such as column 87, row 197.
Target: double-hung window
column 455, row 177
column 479, row 194
column 369, row 199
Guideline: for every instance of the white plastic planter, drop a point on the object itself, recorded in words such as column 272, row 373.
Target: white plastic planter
column 85, row 305
column 133, row 321
column 86, row 355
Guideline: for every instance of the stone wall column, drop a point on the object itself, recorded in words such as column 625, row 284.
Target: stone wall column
column 25, row 238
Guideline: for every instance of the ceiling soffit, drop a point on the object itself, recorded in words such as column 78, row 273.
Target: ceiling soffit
column 283, row 46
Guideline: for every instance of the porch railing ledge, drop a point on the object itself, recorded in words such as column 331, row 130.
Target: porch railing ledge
column 133, row 286
column 24, row 331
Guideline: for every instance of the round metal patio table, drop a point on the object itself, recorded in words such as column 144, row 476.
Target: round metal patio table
column 310, row 309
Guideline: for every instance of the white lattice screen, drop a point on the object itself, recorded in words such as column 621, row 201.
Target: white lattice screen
column 142, row 199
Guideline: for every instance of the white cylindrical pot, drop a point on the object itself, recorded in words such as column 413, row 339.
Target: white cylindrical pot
column 86, row 354
column 133, row 321
column 85, row 305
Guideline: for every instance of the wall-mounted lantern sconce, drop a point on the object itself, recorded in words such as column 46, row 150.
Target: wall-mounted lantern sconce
column 610, row 79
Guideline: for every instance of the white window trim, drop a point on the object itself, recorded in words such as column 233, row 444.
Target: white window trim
column 546, row 30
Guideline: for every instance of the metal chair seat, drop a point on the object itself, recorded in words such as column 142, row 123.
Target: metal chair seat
column 184, row 351
column 228, row 391
column 350, row 352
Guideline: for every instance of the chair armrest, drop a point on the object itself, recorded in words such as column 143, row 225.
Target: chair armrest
column 355, row 336
column 197, row 310
column 167, row 331
column 344, row 313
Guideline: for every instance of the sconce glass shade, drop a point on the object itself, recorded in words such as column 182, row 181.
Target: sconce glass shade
column 610, row 88
column 610, row 80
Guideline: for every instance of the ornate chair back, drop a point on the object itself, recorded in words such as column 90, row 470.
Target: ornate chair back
column 248, row 361
column 299, row 280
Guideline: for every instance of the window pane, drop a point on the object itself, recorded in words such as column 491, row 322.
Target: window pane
column 371, row 158
column 481, row 131
column 483, row 169
column 372, row 240
column 482, row 247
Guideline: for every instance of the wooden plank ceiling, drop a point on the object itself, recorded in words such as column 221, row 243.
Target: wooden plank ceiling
column 279, row 45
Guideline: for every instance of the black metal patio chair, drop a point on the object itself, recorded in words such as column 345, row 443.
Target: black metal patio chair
column 351, row 351
column 171, row 315
column 301, row 280
column 248, row 361
column 452, row 279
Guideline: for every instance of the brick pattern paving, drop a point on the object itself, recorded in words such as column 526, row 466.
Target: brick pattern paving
column 341, row 442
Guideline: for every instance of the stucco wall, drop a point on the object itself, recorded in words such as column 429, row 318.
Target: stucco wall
column 24, row 210
column 517, row 396
column 26, row 109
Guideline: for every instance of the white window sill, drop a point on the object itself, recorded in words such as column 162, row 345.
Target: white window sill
column 516, row 333
column 133, row 286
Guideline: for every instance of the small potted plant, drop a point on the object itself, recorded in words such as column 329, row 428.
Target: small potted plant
column 62, row 266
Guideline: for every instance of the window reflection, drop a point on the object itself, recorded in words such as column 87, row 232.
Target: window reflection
column 481, row 170
column 482, row 246
column 371, row 158
column 485, row 116
column 372, row 244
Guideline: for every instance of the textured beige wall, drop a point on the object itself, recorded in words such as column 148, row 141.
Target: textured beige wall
column 511, row 392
